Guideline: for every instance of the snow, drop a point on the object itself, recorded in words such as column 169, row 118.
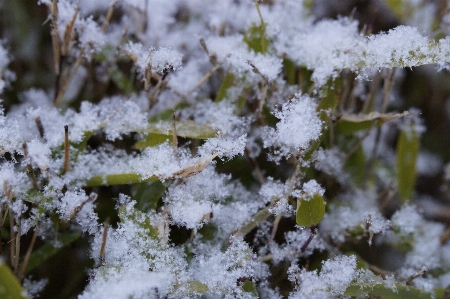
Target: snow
column 219, row 116
column 335, row 276
column 298, row 125
column 233, row 51
column 165, row 59
column 140, row 259
column 312, row 187
column 33, row 288
column 331, row 161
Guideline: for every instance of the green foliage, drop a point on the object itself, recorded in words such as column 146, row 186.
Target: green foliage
column 407, row 152
column 355, row 177
column 46, row 251
column 117, row 179
column 148, row 195
column 382, row 291
column 226, row 84
column 161, row 131
column 310, row 211
column 10, row 288
column 256, row 39
column 250, row 287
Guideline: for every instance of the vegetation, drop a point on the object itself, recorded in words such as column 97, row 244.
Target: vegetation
column 224, row 149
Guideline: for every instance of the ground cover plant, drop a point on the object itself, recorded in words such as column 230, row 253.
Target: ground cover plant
column 224, row 149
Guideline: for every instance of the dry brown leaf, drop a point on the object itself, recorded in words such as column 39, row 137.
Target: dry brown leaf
column 374, row 115
column 195, row 168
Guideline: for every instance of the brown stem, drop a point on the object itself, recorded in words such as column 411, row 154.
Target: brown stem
column 275, row 227
column 12, row 246
column 30, row 172
column 55, row 38
column 444, row 237
column 66, row 150
column 28, row 254
column 39, row 126
column 68, row 34
column 104, row 237
column 387, row 89
column 174, row 135
column 259, row 176
column 17, row 246
column 422, row 271
column 205, row 77
column 75, row 211
column 311, row 236
column 109, row 14
column 67, row 80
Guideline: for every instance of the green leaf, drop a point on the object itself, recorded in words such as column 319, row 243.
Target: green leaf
column 195, row 287
column 151, row 140
column 148, row 195
column 355, row 165
column 47, row 250
column 82, row 145
column 290, row 70
column 117, row 179
column 185, row 128
column 310, row 212
column 121, row 81
column 226, row 84
column 168, row 114
column 10, row 287
column 407, row 152
column 397, row 7
column 190, row 287
column 250, row 287
column 256, row 39
column 380, row 291
column 208, row 231
column 163, row 130
column 330, row 97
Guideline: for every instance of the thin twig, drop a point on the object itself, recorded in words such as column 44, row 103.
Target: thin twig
column 66, row 150
column 17, row 246
column 259, row 176
column 12, row 246
column 276, row 222
column 174, row 135
column 387, row 89
column 69, row 78
column 75, row 211
column 368, row 103
column 155, row 92
column 109, row 14
column 68, row 34
column 55, row 38
column 205, row 77
column 422, row 271
column 311, row 236
column 39, row 126
column 104, row 238
column 28, row 254
column 30, row 172
column 444, row 237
